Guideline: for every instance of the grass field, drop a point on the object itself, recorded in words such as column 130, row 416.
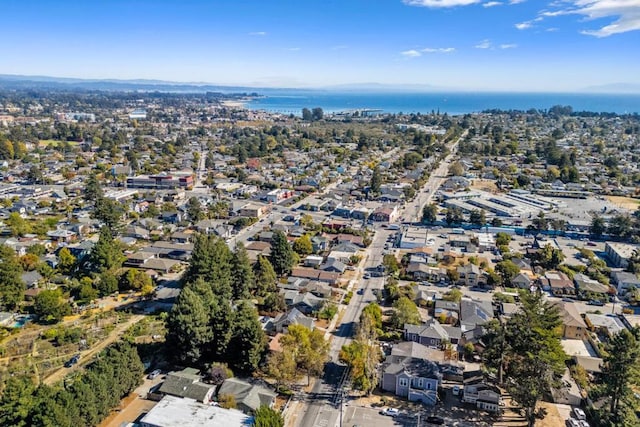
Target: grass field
column 624, row 202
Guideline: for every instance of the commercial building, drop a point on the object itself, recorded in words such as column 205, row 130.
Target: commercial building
column 161, row 181
column 619, row 253
column 184, row 412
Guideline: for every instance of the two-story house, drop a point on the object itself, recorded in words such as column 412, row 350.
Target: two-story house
column 432, row 334
column 413, row 378
column 480, row 392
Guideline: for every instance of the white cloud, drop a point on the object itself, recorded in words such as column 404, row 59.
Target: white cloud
column 508, row 46
column 439, row 49
column 524, row 25
column 411, row 53
column 439, row 3
column 258, row 33
column 625, row 12
column 492, row 4
column 484, row 44
column 517, row 1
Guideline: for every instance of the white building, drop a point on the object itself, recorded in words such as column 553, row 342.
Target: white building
column 184, row 412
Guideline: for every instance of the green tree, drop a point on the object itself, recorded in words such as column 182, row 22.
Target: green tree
column 310, row 349
column 194, row 210
column 268, row 417
column 540, row 223
column 598, row 226
column 108, row 211
column 16, row 402
column 507, row 270
column 266, row 279
column 405, row 312
column 282, row 367
column 306, row 115
column 18, row 225
column 188, row 327
column 478, row 217
column 453, row 295
column 620, row 225
column 282, row 257
column 549, row 257
column 212, row 260
column 454, row 216
column 106, row 283
column 529, row 351
column 244, row 280
column 50, row 307
column 93, row 189
column 618, row 371
column 376, row 180
column 248, row 341
column 134, row 279
column 12, row 286
column 502, row 239
column 302, row 245
column 67, row 262
column 456, row 169
column 391, row 263
column 107, row 254
column 429, row 213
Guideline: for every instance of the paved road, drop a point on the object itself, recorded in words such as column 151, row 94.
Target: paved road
column 413, row 210
column 323, row 410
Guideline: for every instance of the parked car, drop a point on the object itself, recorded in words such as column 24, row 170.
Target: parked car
column 579, row 414
column 69, row 363
column 456, row 390
column 361, row 291
column 435, row 420
column 573, row 423
column 390, row 412
column 366, row 276
column 595, row 302
column 154, row 374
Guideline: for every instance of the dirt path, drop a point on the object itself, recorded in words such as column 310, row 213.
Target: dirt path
column 87, row 355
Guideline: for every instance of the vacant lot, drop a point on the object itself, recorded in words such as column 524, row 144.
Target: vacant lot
column 624, row 202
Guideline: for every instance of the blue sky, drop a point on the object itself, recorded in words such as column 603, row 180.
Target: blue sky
column 527, row 45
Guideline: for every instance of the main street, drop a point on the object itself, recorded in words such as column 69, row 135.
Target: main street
column 413, row 210
column 324, row 408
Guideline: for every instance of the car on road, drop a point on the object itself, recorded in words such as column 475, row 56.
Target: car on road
column 75, row 359
column 366, row 276
column 435, row 420
column 579, row 414
column 154, row 374
column 595, row 302
column 390, row 412
column 361, row 291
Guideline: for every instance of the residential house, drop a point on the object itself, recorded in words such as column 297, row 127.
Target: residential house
column 625, row 281
column 432, row 334
column 590, row 288
column 319, row 275
column 477, row 391
column 313, row 261
column 413, row 378
column 558, row 283
column 305, row 302
column 521, row 281
column 606, row 324
column 469, row 274
column 474, row 313
column 334, row 265
column 186, row 383
column 573, row 326
column 248, row 397
column 448, row 310
column 291, row 317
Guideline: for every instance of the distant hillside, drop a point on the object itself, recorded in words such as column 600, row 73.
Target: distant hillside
column 138, row 85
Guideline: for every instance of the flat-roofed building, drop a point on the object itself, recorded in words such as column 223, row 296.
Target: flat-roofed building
column 619, row 253
column 184, row 412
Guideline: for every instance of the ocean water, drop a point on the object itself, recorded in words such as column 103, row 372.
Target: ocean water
column 293, row 101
